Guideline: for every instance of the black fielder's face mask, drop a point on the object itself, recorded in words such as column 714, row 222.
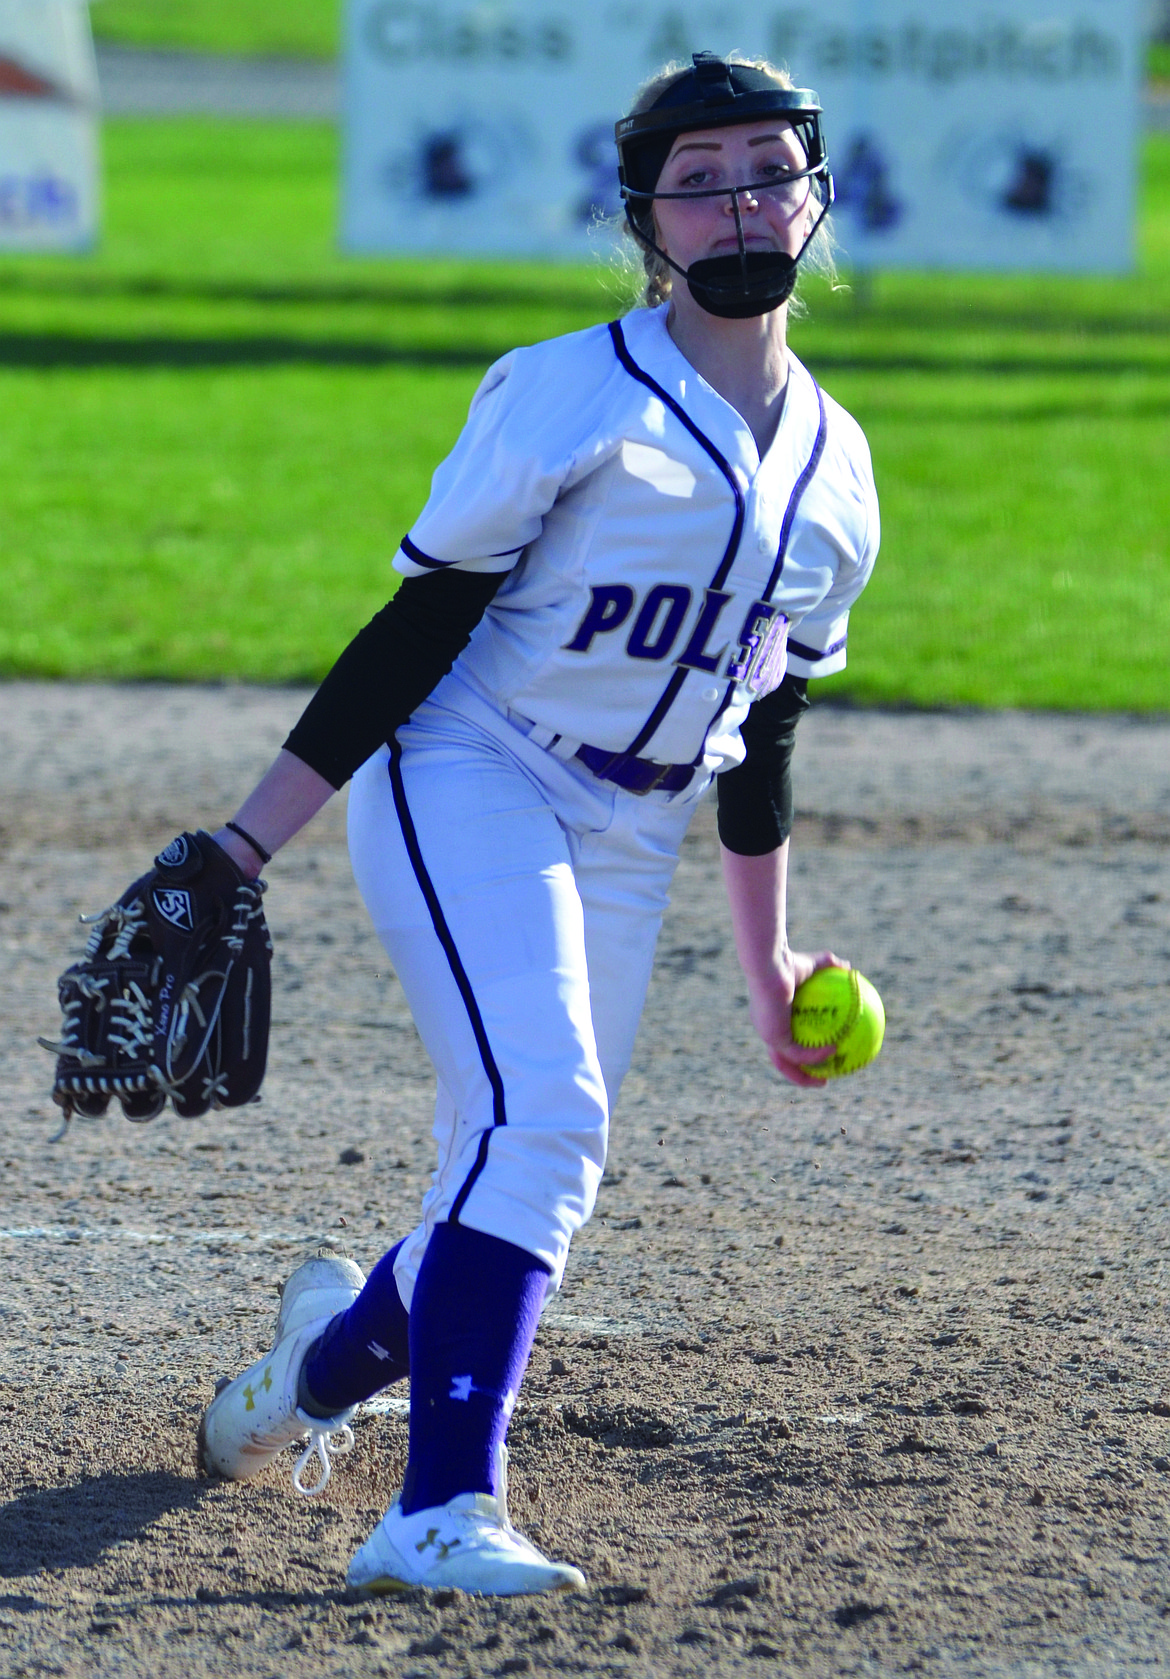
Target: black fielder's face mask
column 713, row 94
column 744, row 282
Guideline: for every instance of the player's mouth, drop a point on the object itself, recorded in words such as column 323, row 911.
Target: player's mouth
column 752, row 242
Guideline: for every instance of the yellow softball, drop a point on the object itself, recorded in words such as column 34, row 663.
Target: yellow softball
column 838, row 1006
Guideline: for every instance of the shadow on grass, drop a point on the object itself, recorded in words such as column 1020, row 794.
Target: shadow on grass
column 1060, row 319
column 1023, row 365
column 558, row 293
column 73, row 1526
column 97, row 350
column 59, row 350
column 601, row 293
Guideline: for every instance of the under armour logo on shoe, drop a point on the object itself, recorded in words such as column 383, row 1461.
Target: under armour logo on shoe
column 250, row 1393
column 443, row 1546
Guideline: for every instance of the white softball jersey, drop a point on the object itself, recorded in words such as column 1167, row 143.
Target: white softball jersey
column 661, row 575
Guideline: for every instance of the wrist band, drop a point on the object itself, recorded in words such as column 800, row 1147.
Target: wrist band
column 264, row 856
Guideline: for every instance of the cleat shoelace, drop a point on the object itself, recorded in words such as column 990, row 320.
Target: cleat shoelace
column 324, row 1445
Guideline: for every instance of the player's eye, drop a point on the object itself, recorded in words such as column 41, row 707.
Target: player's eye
column 778, row 163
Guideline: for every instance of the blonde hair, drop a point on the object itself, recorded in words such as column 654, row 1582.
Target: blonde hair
column 657, row 279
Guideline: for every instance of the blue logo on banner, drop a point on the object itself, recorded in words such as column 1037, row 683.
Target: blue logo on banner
column 37, row 201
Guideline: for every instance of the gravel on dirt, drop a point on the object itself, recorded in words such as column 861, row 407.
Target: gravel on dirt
column 864, row 1381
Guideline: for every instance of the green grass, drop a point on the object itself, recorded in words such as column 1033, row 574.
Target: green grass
column 216, row 430
column 300, row 28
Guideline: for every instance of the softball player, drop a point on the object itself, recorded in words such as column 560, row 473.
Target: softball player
column 646, row 540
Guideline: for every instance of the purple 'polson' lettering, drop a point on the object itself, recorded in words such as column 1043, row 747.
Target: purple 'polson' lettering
column 609, row 608
column 767, row 668
column 762, row 656
column 694, row 655
column 651, row 622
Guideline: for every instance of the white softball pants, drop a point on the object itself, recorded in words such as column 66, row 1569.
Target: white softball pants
column 519, row 899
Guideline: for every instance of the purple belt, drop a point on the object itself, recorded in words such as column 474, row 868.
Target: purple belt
column 636, row 775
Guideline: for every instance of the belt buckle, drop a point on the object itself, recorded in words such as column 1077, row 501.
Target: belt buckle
column 663, row 771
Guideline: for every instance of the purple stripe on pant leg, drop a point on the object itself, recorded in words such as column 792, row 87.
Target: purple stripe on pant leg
column 458, row 971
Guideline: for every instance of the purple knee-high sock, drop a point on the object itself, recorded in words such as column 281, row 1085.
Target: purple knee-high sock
column 473, row 1320
column 362, row 1350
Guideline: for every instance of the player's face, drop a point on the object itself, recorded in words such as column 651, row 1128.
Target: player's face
column 776, row 212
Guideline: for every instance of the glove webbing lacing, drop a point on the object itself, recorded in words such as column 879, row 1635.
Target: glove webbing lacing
column 324, row 1444
column 248, row 908
column 131, row 1014
column 92, row 990
column 188, row 1006
column 129, row 918
column 215, row 1091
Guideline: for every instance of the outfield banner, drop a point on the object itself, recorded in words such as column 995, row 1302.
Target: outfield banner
column 48, row 126
column 978, row 137
column 964, row 136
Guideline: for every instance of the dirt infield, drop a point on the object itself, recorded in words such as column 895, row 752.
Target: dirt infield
column 865, row 1382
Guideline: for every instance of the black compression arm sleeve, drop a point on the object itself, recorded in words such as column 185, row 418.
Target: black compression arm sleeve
column 755, row 798
column 389, row 668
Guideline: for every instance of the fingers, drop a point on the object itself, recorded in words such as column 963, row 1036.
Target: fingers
column 794, row 1071
column 790, row 1061
column 805, row 965
column 808, row 1055
column 772, row 1018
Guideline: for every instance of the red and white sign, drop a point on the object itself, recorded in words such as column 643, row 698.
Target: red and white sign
column 48, row 126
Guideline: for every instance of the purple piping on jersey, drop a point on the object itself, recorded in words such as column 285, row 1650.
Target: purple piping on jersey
column 811, row 653
column 671, row 692
column 415, row 553
column 458, row 972
column 790, row 512
column 797, row 496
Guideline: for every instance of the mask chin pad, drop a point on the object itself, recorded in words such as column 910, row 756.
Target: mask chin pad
column 738, row 287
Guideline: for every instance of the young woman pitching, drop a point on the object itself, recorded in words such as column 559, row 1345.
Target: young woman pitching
column 646, row 540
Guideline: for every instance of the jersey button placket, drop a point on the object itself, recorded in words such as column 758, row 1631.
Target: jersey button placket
column 762, row 528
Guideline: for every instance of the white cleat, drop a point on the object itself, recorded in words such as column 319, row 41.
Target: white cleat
column 251, row 1420
column 469, row 1543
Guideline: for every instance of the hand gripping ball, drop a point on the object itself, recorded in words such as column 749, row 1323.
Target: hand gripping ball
column 838, row 1006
